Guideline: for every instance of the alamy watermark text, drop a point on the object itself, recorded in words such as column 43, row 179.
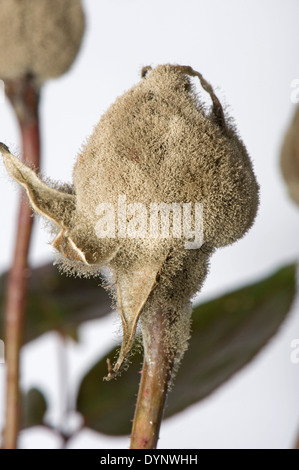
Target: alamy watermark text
column 135, row 220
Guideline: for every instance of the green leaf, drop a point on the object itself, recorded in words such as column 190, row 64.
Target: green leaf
column 58, row 302
column 34, row 407
column 226, row 334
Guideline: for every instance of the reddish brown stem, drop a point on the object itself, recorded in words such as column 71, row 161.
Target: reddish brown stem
column 156, row 373
column 24, row 96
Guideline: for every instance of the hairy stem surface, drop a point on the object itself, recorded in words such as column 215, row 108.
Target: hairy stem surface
column 24, row 97
column 156, row 374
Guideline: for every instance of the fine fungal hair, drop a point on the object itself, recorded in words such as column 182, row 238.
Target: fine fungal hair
column 156, row 143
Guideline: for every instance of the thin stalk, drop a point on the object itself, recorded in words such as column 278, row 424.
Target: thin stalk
column 24, row 97
column 156, row 374
column 63, row 385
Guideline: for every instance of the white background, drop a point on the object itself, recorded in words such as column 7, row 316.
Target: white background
column 249, row 52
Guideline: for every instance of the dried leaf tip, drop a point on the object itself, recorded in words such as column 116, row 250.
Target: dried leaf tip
column 4, row 149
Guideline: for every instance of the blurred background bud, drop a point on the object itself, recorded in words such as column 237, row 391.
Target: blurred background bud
column 39, row 38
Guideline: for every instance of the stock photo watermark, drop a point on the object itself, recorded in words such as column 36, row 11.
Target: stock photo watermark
column 2, row 356
column 134, row 220
column 295, row 93
column 294, row 356
column 2, row 92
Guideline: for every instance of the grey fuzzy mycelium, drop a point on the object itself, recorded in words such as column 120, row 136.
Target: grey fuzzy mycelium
column 156, row 144
column 39, row 37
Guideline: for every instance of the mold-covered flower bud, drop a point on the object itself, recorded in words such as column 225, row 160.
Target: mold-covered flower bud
column 40, row 38
column 290, row 158
column 159, row 185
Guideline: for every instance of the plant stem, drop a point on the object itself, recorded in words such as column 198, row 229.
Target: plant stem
column 63, row 384
column 156, row 373
column 24, row 97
